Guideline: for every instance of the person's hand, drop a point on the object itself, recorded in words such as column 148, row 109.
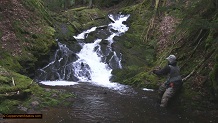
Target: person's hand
column 154, row 71
column 157, row 68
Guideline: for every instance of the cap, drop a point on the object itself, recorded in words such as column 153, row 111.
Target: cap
column 171, row 58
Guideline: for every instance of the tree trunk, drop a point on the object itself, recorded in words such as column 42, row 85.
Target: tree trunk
column 90, row 3
column 151, row 25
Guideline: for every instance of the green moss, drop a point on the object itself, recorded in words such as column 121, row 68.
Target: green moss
column 210, row 41
column 4, row 76
column 85, row 17
column 37, row 7
column 47, row 97
column 50, row 31
column 123, row 74
column 10, row 62
column 143, row 79
column 48, row 101
column 4, row 79
column 21, row 82
column 8, row 106
column 1, row 33
column 214, row 79
column 43, row 43
column 79, row 9
column 71, row 29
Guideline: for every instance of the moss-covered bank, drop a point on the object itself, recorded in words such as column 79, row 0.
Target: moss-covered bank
column 20, row 92
column 27, row 39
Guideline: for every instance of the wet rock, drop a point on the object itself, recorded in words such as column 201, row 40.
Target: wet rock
column 32, row 111
column 47, row 89
column 102, row 27
column 23, row 108
column 35, row 103
column 54, row 95
column 70, row 99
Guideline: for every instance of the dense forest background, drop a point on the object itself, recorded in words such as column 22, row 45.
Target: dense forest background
column 186, row 28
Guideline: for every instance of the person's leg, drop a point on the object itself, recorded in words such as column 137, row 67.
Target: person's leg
column 166, row 96
column 161, row 90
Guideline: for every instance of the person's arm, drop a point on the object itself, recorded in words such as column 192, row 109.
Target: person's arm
column 163, row 71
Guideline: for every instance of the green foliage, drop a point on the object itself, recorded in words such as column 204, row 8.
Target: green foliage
column 58, row 5
column 143, row 79
column 8, row 106
column 48, row 97
column 106, row 3
column 210, row 41
column 1, row 34
column 38, row 8
column 4, row 75
column 73, row 21
column 8, row 61
column 214, row 79
column 4, row 79
column 21, row 82
column 84, row 15
column 136, row 76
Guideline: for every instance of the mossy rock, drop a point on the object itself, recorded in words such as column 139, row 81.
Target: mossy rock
column 119, row 75
column 10, row 62
column 21, row 82
column 143, row 79
column 85, row 17
column 48, row 97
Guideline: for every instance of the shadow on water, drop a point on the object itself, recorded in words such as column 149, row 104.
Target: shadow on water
column 94, row 104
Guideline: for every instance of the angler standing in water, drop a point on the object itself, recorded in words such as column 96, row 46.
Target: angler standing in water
column 174, row 82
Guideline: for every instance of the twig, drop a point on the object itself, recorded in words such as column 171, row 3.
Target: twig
column 13, row 81
column 197, row 45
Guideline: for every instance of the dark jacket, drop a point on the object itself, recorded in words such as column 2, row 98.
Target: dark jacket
column 173, row 72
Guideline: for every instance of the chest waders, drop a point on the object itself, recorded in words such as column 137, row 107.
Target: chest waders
column 168, row 91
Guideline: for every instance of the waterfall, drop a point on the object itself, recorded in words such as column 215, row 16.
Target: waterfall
column 93, row 63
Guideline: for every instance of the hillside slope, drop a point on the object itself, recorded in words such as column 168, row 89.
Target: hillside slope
column 26, row 39
column 187, row 29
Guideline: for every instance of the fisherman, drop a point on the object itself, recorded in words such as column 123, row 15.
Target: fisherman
column 174, row 82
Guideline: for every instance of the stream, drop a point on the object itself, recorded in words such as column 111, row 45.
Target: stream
column 87, row 74
column 95, row 104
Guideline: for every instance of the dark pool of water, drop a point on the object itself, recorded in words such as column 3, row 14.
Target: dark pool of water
column 95, row 104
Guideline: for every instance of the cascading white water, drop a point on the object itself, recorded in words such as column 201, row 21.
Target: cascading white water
column 100, row 71
column 90, row 66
